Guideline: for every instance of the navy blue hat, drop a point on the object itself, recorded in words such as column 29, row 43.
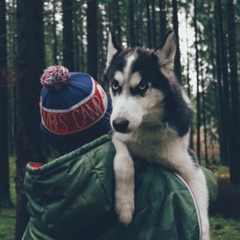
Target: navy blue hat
column 74, row 108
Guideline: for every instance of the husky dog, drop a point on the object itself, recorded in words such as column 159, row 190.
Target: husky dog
column 151, row 118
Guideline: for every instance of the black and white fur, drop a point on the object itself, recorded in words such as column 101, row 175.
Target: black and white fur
column 151, row 118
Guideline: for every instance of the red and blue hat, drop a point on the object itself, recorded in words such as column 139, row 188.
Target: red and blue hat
column 74, row 108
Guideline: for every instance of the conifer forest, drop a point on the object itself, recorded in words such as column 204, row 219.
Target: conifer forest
column 35, row 34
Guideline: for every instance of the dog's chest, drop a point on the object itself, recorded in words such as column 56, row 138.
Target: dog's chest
column 164, row 155
column 145, row 151
column 161, row 147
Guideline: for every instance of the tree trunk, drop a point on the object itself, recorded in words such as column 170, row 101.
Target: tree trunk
column 131, row 24
column 154, row 34
column 235, row 112
column 163, row 18
column 212, row 144
column 68, row 42
column 55, row 41
column 149, row 27
column 30, row 65
column 177, row 62
column 102, row 43
column 5, row 200
column 11, row 52
column 115, row 20
column 92, row 49
column 77, row 67
column 198, row 83
column 225, row 79
column 204, row 119
column 222, row 83
column 139, row 31
column 82, row 32
column 189, row 88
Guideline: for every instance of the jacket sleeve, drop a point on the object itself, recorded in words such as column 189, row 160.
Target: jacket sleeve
column 70, row 193
column 73, row 196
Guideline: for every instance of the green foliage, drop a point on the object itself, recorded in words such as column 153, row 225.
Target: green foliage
column 12, row 169
column 7, row 224
column 224, row 229
column 8, row 216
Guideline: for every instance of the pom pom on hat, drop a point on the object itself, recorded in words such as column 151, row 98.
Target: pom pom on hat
column 55, row 77
column 74, row 108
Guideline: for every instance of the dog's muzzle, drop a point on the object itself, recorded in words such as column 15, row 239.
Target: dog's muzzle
column 120, row 125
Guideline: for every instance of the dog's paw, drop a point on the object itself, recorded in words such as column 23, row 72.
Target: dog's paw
column 124, row 205
column 125, row 213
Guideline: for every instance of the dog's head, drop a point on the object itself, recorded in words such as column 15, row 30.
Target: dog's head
column 139, row 83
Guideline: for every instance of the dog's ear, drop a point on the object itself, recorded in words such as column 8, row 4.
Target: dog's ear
column 113, row 48
column 166, row 53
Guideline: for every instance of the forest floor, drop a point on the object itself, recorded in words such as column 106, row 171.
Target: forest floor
column 224, row 224
column 221, row 228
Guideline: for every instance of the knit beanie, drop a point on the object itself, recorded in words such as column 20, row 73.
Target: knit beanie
column 74, row 108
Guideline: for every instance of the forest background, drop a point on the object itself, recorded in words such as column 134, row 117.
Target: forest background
column 37, row 34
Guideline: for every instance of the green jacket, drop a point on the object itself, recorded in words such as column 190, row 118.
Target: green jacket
column 72, row 198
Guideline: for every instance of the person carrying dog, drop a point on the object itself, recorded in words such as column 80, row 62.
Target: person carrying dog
column 72, row 197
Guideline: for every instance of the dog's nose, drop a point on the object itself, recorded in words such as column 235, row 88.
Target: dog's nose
column 120, row 124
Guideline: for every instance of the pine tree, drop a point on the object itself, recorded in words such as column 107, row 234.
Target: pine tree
column 68, row 41
column 30, row 65
column 235, row 107
column 5, row 200
column 92, row 46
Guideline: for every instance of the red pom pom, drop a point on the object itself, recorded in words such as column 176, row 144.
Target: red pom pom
column 55, row 77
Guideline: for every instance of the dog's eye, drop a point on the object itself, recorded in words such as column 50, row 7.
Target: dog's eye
column 115, row 86
column 143, row 85
column 141, row 88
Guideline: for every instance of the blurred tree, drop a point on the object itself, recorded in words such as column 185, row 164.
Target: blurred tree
column 55, row 38
column 131, row 24
column 51, row 36
column 139, row 23
column 223, row 82
column 115, row 19
column 68, row 41
column 92, row 39
column 163, row 18
column 80, row 36
column 76, row 38
column 30, row 65
column 154, row 28
column 197, row 81
column 177, row 62
column 203, row 109
column 235, row 107
column 149, row 25
column 5, row 200
column 219, row 93
column 11, row 71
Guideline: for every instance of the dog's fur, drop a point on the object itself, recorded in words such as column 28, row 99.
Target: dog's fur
column 151, row 118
